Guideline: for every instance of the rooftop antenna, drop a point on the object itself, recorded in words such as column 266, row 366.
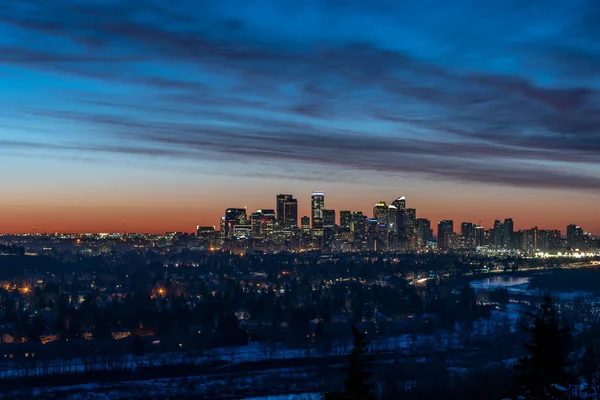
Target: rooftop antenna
column 125, row 228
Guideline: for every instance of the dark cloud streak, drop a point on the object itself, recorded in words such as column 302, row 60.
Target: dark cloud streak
column 312, row 103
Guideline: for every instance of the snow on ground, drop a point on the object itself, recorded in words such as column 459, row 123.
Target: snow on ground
column 306, row 396
column 500, row 282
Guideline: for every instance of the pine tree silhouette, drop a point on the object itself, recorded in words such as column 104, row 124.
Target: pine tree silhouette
column 542, row 373
column 358, row 385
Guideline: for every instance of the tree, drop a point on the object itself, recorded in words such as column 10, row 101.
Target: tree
column 357, row 386
column 543, row 371
column 137, row 347
column 589, row 368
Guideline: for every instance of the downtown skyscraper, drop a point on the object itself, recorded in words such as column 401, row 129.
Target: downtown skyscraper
column 317, row 212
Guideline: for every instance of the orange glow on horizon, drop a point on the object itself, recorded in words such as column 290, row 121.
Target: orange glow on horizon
column 529, row 210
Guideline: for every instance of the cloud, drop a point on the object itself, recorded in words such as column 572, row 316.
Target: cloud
column 196, row 78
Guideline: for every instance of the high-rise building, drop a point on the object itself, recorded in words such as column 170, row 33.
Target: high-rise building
column 329, row 219
column 445, row 229
column 424, row 233
column 233, row 218
column 256, row 224
column 575, row 237
column 530, row 240
column 410, row 221
column 498, row 234
column 479, row 236
column 290, row 213
column 281, row 199
column 400, row 204
column 380, row 212
column 345, row 219
column 317, row 207
column 507, row 234
column 392, row 217
column 305, row 224
column 467, row 231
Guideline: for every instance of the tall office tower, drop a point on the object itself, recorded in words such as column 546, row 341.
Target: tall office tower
column 345, row 219
column 380, row 212
column 479, row 236
column 290, row 213
column 281, row 199
column 233, row 218
column 424, row 234
column 498, row 234
column 400, row 204
column 575, row 237
column 329, row 219
column 223, row 228
column 358, row 228
column 410, row 227
column 256, row 225
column 317, row 207
column 467, row 231
column 356, row 217
column 508, row 233
column 305, row 224
column 445, row 229
column 392, row 217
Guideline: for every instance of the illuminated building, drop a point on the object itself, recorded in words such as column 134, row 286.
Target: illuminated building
column 392, row 218
column 329, row 219
column 317, row 208
column 234, row 217
column 305, row 224
column 290, row 213
column 467, row 231
column 498, row 234
column 530, row 240
column 410, row 226
column 207, row 236
column 575, row 238
column 445, row 229
column 380, row 212
column 202, row 230
column 287, row 211
column 280, row 200
column 508, row 233
column 424, row 233
column 262, row 223
column 345, row 218
column 400, row 204
column 479, row 236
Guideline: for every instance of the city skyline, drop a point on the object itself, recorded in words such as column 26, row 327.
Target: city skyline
column 305, row 210
column 157, row 113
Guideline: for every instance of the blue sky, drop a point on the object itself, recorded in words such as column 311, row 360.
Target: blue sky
column 267, row 96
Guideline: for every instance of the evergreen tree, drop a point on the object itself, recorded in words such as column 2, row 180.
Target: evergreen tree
column 137, row 347
column 543, row 371
column 357, row 385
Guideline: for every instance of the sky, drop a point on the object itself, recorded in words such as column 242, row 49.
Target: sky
column 163, row 113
